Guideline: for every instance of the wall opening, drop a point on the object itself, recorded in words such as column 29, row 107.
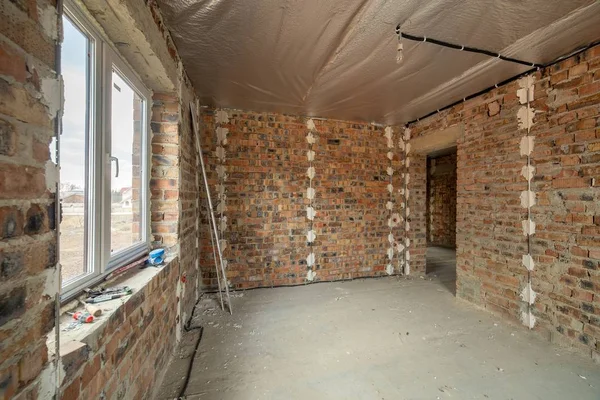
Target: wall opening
column 441, row 216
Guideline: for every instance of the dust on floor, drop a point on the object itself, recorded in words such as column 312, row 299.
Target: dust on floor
column 386, row 338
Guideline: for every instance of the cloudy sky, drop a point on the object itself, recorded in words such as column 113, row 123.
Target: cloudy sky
column 72, row 146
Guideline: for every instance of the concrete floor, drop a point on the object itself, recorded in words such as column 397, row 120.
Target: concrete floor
column 387, row 338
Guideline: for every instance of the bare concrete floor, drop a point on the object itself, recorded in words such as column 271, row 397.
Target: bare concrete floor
column 388, row 338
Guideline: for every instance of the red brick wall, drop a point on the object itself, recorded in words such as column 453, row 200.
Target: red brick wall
column 127, row 354
column 267, row 225
column 565, row 248
column 441, row 201
column 27, row 222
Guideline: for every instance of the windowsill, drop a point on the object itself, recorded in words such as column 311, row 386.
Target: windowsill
column 137, row 279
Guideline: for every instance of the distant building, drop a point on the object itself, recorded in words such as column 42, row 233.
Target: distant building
column 126, row 195
column 73, row 197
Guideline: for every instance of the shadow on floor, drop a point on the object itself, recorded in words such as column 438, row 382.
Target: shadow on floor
column 441, row 263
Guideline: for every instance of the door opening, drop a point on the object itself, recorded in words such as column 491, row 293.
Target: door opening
column 441, row 216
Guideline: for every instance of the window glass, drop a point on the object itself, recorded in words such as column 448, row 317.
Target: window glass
column 75, row 59
column 126, row 175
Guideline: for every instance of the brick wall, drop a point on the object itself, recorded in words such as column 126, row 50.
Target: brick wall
column 565, row 247
column 28, row 276
column 128, row 357
column 127, row 353
column 441, row 201
column 266, row 199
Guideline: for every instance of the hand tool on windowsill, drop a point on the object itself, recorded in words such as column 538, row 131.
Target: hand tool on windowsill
column 95, row 311
column 82, row 317
column 106, row 291
column 108, row 296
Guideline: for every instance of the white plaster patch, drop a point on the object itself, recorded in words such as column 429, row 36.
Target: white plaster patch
column 310, row 172
column 528, row 295
column 406, row 268
column 528, row 319
column 310, row 155
column 526, row 91
column 525, row 116
column 223, row 244
column 222, row 117
column 310, row 259
column 528, row 199
column 523, row 94
column 407, row 226
column 407, row 194
column 407, row 162
column 223, row 224
column 527, row 172
column 310, row 193
column 407, row 211
column 390, row 144
column 407, row 255
column 310, row 125
column 51, row 89
column 311, row 275
column 47, row 18
column 390, row 188
column 402, row 145
column 52, row 174
column 399, row 247
column 390, row 155
column 394, row 220
column 388, row 133
column 406, row 134
column 407, row 148
column 526, row 145
column 407, row 242
column 528, row 227
column 47, row 387
column 221, row 207
column 389, row 205
column 527, row 262
column 311, row 236
column 310, row 138
column 390, row 171
column 390, row 253
column 389, row 269
column 391, row 238
column 221, row 171
column 52, row 285
column 310, row 213
column 220, row 153
column 222, row 134
column 407, row 179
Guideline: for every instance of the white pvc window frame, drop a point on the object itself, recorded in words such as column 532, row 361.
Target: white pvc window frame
column 104, row 58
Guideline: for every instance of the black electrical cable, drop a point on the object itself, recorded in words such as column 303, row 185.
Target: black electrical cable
column 465, row 48
column 514, row 78
column 188, row 328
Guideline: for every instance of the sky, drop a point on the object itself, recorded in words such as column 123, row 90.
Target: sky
column 72, row 144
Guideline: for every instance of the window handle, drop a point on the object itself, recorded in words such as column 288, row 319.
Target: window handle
column 113, row 158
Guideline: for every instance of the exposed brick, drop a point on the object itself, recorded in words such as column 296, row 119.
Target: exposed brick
column 12, row 64
column 36, row 220
column 12, row 304
column 11, row 222
column 489, row 239
column 8, row 139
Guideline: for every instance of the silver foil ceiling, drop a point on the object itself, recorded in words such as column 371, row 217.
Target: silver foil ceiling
column 337, row 58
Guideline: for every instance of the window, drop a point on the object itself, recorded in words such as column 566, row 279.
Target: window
column 103, row 158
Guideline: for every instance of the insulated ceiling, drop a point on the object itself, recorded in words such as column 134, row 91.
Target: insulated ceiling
column 337, row 58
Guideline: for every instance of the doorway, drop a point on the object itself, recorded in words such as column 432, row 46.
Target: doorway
column 441, row 216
